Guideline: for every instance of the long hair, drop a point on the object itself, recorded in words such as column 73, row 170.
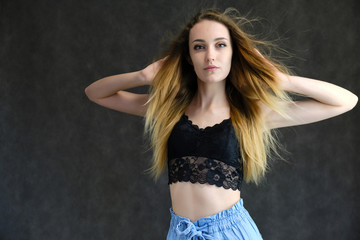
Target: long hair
column 251, row 80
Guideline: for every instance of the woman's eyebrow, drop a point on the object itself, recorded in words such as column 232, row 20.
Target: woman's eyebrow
column 216, row 39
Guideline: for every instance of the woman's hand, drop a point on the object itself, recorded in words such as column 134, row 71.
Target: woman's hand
column 281, row 77
column 150, row 71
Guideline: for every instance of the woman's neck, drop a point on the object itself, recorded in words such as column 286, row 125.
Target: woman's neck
column 210, row 96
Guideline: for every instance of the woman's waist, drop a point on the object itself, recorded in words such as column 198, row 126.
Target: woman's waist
column 195, row 200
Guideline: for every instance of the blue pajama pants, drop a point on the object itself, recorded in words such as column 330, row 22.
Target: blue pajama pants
column 233, row 223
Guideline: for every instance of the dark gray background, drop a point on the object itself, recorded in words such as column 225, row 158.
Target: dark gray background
column 70, row 169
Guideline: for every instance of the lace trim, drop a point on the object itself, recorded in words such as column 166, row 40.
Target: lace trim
column 205, row 128
column 204, row 170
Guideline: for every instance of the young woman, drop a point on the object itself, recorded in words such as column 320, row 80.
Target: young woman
column 212, row 104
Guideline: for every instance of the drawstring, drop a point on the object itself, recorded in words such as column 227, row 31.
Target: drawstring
column 188, row 229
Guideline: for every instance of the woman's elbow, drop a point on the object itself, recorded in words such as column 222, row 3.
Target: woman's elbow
column 89, row 94
column 351, row 102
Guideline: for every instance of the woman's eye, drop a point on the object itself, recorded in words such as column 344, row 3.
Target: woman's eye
column 198, row 47
column 221, row 45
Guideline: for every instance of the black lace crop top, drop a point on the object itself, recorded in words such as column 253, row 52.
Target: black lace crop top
column 210, row 155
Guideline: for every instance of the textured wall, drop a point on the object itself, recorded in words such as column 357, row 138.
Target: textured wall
column 70, row 169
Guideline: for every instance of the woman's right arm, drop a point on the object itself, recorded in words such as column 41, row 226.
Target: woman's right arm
column 109, row 91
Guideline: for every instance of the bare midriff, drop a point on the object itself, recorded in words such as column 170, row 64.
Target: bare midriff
column 195, row 200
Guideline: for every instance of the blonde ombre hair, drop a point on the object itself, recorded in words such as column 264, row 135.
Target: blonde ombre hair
column 251, row 79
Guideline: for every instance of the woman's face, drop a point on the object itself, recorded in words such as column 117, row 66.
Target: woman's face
column 210, row 50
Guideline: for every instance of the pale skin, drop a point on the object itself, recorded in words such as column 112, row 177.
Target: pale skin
column 210, row 54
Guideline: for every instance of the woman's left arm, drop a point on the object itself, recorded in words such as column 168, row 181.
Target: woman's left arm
column 326, row 100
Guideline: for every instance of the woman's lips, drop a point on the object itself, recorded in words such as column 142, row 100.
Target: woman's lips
column 211, row 68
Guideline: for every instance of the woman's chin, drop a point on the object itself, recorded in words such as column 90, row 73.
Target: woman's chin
column 211, row 80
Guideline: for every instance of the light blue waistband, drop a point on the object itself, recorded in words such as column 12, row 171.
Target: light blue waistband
column 184, row 226
column 233, row 223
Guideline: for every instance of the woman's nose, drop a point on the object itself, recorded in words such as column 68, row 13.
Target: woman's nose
column 210, row 55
